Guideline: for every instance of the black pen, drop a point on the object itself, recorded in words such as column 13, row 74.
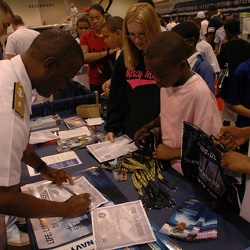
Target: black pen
column 140, row 138
column 220, row 145
column 69, row 190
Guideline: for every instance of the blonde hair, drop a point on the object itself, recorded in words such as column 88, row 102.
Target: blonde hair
column 145, row 15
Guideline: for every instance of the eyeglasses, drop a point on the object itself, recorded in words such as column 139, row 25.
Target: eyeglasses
column 140, row 36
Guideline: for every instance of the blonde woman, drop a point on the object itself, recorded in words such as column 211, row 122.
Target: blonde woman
column 134, row 97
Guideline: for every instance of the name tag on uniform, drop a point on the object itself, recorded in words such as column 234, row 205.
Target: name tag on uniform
column 19, row 98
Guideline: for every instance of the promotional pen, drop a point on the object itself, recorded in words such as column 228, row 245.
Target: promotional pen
column 140, row 138
column 69, row 190
column 220, row 145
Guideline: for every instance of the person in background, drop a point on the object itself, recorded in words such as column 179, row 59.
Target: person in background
column 220, row 35
column 233, row 52
column 20, row 40
column 73, row 17
column 171, row 24
column 134, row 96
column 99, row 58
column 238, row 97
column 112, row 32
column 196, row 59
column 162, row 22
column 204, row 23
column 82, row 25
column 205, row 47
column 184, row 97
column 214, row 23
column 147, row 1
column 85, row 10
column 52, row 59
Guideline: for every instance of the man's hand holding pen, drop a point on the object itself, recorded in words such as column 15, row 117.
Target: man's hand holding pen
column 77, row 205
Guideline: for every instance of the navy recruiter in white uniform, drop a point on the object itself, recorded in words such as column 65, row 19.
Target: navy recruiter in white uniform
column 53, row 58
column 6, row 17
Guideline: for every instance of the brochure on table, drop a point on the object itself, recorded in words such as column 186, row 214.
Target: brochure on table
column 59, row 228
column 44, row 122
column 42, row 136
column 65, row 134
column 50, row 236
column 121, row 225
column 194, row 220
column 96, row 177
column 105, row 151
column 80, row 141
column 74, row 122
column 58, row 161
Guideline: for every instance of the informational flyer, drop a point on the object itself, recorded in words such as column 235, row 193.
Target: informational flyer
column 58, row 161
column 105, row 151
column 65, row 134
column 121, row 225
column 42, row 136
column 54, row 231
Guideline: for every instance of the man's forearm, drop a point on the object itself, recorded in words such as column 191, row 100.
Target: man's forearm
column 13, row 202
column 30, row 157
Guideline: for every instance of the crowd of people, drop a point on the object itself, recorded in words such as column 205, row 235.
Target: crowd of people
column 153, row 74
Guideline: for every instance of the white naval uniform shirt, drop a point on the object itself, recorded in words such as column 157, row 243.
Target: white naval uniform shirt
column 14, row 132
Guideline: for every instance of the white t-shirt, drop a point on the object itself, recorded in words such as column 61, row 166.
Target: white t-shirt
column 20, row 40
column 206, row 47
column 219, row 36
column 203, row 30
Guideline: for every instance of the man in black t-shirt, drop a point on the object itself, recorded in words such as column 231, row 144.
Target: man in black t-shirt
column 214, row 23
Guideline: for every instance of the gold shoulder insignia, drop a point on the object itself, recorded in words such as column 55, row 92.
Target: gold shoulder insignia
column 19, row 98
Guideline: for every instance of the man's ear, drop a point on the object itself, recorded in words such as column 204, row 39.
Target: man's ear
column 50, row 64
column 192, row 40
column 183, row 65
column 119, row 33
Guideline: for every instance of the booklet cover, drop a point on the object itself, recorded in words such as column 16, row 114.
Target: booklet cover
column 58, row 161
column 208, row 229
column 74, row 122
column 193, row 220
column 44, row 122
